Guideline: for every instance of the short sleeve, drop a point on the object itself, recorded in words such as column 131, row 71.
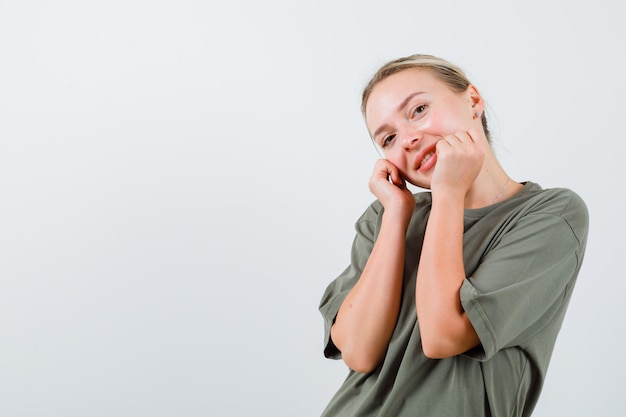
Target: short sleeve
column 337, row 290
column 525, row 282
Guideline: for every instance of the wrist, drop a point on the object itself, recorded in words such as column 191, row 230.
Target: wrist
column 449, row 197
column 397, row 218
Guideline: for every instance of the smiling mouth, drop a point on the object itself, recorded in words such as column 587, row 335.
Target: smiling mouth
column 426, row 158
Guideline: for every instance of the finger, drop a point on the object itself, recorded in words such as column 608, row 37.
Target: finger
column 394, row 175
column 464, row 137
column 383, row 169
column 452, row 140
column 442, row 146
column 477, row 134
column 397, row 179
column 448, row 142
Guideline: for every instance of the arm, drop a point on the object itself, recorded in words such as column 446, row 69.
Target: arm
column 529, row 273
column 367, row 317
column 445, row 328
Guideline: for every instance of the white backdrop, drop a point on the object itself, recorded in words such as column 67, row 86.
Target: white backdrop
column 179, row 182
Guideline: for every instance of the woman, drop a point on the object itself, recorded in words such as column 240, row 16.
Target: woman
column 454, row 298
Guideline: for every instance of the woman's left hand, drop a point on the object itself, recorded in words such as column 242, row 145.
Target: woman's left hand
column 459, row 160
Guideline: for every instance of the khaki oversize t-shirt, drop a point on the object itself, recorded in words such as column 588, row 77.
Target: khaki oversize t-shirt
column 522, row 258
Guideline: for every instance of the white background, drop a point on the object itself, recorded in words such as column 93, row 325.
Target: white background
column 179, row 182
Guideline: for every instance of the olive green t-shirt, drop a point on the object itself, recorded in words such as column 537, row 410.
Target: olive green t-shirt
column 522, row 256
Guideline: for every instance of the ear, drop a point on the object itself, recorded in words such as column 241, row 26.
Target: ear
column 475, row 99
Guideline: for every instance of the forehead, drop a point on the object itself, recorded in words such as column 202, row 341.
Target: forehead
column 389, row 93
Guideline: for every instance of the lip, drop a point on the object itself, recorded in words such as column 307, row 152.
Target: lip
column 428, row 164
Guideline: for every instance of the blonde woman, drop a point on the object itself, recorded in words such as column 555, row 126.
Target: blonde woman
column 453, row 299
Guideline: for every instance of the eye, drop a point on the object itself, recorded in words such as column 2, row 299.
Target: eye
column 419, row 110
column 387, row 140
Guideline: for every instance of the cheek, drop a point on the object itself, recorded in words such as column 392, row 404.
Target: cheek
column 397, row 158
column 441, row 123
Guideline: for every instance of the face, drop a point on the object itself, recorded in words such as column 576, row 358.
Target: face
column 409, row 112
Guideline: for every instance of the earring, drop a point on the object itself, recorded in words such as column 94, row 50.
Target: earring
column 477, row 114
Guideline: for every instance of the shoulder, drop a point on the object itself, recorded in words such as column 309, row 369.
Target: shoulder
column 536, row 198
column 561, row 202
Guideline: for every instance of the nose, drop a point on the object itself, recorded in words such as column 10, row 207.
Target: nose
column 409, row 137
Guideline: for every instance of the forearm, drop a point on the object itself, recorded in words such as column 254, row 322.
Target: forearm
column 445, row 329
column 368, row 315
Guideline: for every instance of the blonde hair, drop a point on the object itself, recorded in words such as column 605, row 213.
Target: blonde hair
column 447, row 72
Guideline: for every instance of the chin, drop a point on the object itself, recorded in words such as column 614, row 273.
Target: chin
column 418, row 184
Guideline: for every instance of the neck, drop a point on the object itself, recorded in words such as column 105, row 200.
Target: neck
column 491, row 186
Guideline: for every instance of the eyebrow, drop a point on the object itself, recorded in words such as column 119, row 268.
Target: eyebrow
column 399, row 109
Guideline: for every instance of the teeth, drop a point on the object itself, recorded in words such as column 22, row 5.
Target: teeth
column 427, row 157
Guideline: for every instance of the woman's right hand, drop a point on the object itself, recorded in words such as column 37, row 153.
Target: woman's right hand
column 387, row 184
column 368, row 315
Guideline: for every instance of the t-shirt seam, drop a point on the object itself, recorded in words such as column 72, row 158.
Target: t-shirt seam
column 578, row 260
column 519, row 387
column 485, row 319
column 566, row 222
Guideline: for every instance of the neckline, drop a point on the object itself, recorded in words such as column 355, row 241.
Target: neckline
column 479, row 212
